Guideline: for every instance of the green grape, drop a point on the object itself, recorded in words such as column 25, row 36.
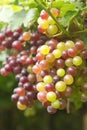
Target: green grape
column 68, row 79
column 56, row 104
column 40, row 86
column 57, row 53
column 43, row 23
column 69, row 44
column 51, row 96
column 61, row 46
column 50, row 20
column 69, row 62
column 48, row 79
column 60, row 72
column 21, row 106
column 60, row 86
column 52, row 29
column 44, row 49
column 77, row 60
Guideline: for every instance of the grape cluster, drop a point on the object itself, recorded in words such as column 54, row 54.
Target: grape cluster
column 46, row 22
column 47, row 70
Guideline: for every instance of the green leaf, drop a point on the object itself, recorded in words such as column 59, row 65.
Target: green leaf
column 66, row 8
column 5, row 13
column 58, row 4
column 17, row 19
column 31, row 16
column 65, row 21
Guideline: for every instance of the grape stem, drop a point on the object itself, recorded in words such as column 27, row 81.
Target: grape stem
column 48, row 11
column 68, row 106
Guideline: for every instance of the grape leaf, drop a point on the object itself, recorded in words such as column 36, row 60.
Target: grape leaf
column 17, row 19
column 65, row 21
column 5, row 13
column 31, row 16
column 66, row 8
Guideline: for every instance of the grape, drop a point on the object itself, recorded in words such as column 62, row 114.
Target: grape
column 55, row 12
column 79, row 45
column 60, row 72
column 57, row 53
column 20, row 91
column 68, row 92
column 48, row 79
column 51, row 96
column 68, row 79
column 69, row 44
column 77, row 60
column 50, row 58
column 23, row 100
column 21, row 106
column 17, row 45
column 56, row 104
column 14, row 97
column 61, row 46
column 41, row 96
column 69, row 62
column 40, row 86
column 50, row 87
column 26, row 36
column 60, row 86
column 72, row 70
column 50, row 20
column 39, row 56
column 84, row 54
column 43, row 24
column 44, row 49
column 52, row 29
column 31, row 78
column 60, row 63
column 51, row 110
column 44, row 14
column 65, row 54
column 44, row 65
column 36, row 69
column 72, row 51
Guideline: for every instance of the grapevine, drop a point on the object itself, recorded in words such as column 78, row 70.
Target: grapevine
column 47, row 57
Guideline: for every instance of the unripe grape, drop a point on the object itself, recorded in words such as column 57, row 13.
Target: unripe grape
column 77, row 60
column 50, row 20
column 69, row 62
column 57, row 53
column 56, row 104
column 48, row 79
column 21, row 106
column 69, row 44
column 44, row 49
column 52, row 29
column 61, row 46
column 60, row 72
column 51, row 96
column 40, row 86
column 60, row 86
column 68, row 79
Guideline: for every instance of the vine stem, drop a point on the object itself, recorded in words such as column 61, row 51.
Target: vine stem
column 48, row 11
column 79, row 32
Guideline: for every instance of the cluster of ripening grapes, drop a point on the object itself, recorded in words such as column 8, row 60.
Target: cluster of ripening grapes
column 46, row 23
column 46, row 69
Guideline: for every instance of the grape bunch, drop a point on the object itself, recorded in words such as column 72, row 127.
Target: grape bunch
column 47, row 69
column 46, row 23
